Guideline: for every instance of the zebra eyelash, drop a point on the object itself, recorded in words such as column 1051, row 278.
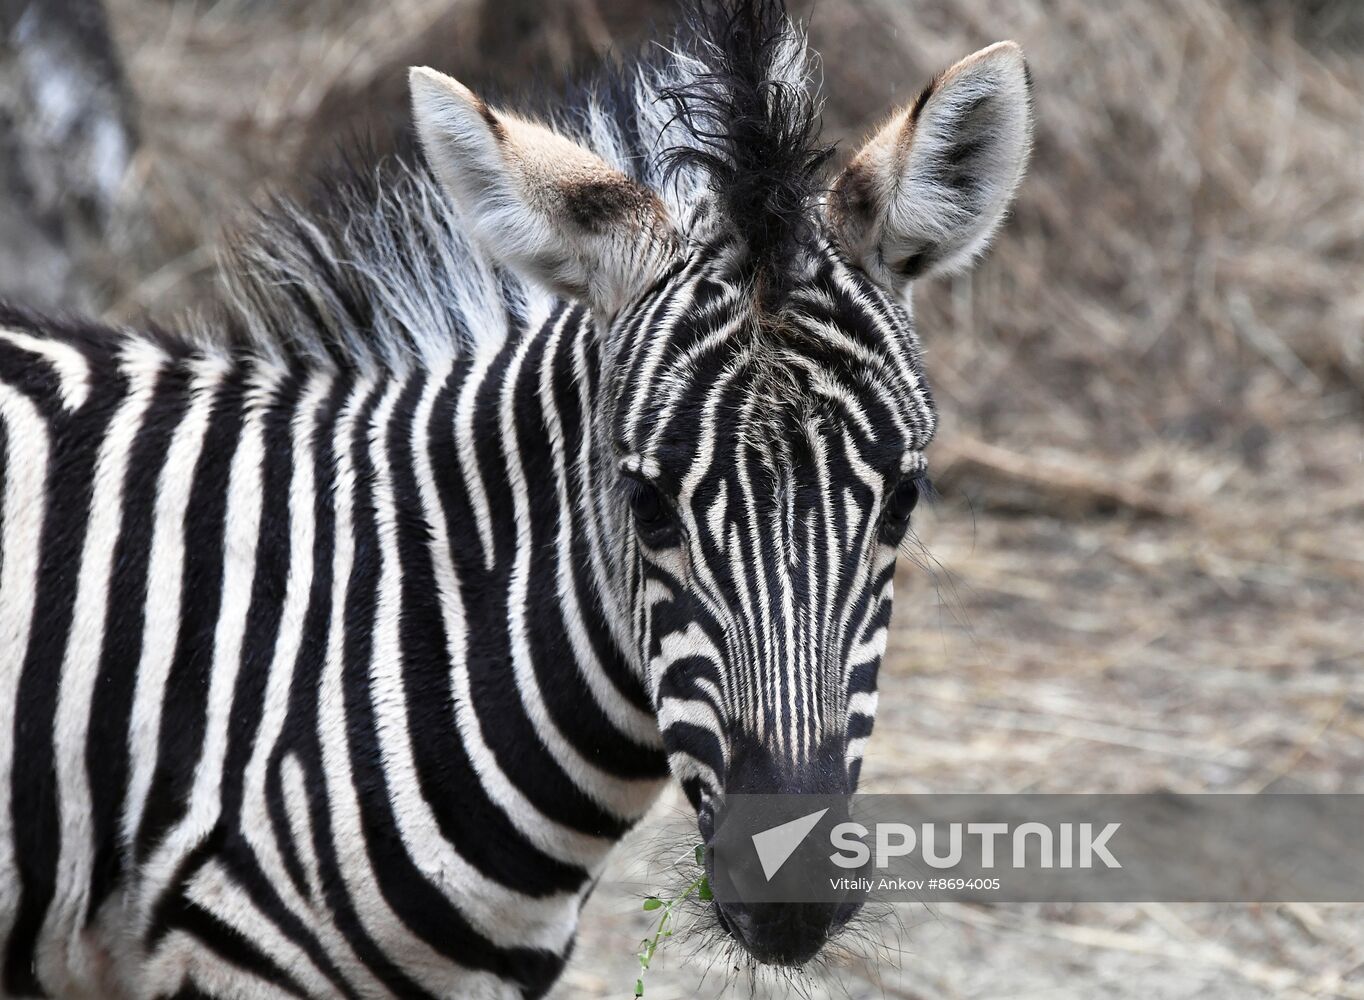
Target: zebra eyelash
column 652, row 510
column 894, row 528
column 928, row 492
column 637, row 490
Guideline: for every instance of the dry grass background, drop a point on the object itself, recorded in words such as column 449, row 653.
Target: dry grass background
column 1147, row 569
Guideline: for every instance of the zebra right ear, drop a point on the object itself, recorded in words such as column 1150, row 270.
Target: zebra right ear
column 539, row 203
column 927, row 191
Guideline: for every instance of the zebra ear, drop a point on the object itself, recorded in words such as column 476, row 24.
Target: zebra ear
column 926, row 193
column 537, row 202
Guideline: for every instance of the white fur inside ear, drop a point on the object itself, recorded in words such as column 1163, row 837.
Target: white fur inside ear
column 536, row 201
column 928, row 191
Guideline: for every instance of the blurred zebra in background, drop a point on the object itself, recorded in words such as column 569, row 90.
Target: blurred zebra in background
column 342, row 636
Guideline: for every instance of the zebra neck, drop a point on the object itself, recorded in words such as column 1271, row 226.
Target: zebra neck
column 330, row 638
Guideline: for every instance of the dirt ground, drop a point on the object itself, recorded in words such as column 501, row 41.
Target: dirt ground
column 1146, row 570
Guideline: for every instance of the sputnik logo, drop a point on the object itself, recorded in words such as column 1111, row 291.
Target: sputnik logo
column 776, row 845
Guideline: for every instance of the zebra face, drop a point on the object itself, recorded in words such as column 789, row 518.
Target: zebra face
column 769, row 458
column 761, row 412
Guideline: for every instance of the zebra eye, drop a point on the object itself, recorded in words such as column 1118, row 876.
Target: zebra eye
column 902, row 503
column 647, row 504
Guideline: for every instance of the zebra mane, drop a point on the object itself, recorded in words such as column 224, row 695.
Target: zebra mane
column 371, row 270
column 374, row 268
column 751, row 127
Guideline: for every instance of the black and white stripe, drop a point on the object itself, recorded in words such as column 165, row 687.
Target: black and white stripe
column 342, row 746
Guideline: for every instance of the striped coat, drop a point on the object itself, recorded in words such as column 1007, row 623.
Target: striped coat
column 345, row 630
column 214, row 566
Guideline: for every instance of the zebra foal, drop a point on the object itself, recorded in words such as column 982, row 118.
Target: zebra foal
column 342, row 635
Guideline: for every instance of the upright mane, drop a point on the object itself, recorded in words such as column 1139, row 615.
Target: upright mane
column 374, row 268
column 751, row 127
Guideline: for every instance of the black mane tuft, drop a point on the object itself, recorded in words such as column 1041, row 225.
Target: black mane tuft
column 755, row 130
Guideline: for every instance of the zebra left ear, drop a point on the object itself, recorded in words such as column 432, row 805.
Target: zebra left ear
column 537, row 202
column 926, row 193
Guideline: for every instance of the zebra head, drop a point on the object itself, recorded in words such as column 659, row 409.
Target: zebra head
column 761, row 410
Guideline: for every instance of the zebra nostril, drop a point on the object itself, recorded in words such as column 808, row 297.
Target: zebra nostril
column 705, row 823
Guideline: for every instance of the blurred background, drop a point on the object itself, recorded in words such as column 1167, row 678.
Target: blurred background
column 1147, row 567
